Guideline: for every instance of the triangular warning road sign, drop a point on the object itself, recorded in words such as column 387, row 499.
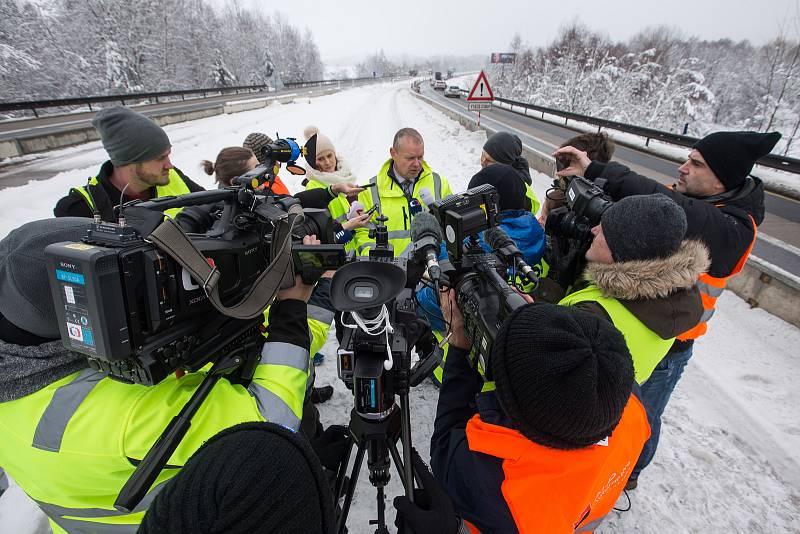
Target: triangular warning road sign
column 481, row 92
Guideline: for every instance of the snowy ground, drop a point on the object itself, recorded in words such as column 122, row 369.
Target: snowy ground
column 728, row 460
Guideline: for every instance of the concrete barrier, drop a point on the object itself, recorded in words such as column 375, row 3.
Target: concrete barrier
column 765, row 286
column 544, row 163
column 10, row 149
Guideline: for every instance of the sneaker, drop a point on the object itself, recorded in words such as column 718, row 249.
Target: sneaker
column 631, row 484
column 321, row 394
column 319, row 358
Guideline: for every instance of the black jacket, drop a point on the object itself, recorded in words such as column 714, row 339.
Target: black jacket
column 74, row 204
column 724, row 227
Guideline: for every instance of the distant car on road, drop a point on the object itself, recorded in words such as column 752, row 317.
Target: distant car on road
column 439, row 85
column 453, row 91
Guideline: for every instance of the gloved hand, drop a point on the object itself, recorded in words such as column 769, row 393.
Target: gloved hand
column 432, row 511
column 331, row 446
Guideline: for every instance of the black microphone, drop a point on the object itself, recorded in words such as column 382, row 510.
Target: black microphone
column 504, row 246
column 427, row 238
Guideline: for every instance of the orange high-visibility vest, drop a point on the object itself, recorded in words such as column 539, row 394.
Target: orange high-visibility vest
column 711, row 288
column 554, row 490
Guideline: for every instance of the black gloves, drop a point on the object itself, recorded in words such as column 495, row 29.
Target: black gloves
column 331, row 446
column 431, row 512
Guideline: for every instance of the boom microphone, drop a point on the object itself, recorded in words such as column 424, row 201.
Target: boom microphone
column 499, row 241
column 427, row 238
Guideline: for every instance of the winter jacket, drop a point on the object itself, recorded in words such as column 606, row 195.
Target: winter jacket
column 394, row 205
column 72, row 444
column 649, row 301
column 99, row 193
column 727, row 227
column 502, row 482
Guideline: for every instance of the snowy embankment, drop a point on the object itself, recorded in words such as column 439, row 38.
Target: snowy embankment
column 728, row 460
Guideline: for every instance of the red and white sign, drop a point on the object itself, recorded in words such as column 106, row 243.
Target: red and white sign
column 481, row 92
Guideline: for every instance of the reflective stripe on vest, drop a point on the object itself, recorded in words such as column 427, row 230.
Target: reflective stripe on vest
column 64, row 517
column 555, row 490
column 647, row 348
column 320, row 314
column 271, row 406
column 712, row 287
column 437, row 187
column 65, row 402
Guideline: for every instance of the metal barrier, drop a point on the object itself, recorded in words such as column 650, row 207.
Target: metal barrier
column 775, row 162
column 33, row 105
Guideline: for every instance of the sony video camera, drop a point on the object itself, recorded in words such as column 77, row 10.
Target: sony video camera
column 134, row 306
column 376, row 294
column 483, row 292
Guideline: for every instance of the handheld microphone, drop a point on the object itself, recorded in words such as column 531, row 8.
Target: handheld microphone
column 426, row 196
column 427, row 238
column 504, row 246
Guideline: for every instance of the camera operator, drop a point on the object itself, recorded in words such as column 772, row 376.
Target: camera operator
column 513, row 217
column 724, row 205
column 641, row 274
column 138, row 168
column 72, row 436
column 546, row 447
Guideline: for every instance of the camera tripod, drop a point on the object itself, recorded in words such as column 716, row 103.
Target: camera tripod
column 377, row 438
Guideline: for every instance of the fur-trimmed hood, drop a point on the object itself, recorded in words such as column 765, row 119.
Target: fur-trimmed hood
column 661, row 293
column 650, row 279
column 342, row 174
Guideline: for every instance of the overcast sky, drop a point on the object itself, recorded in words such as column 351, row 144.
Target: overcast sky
column 352, row 29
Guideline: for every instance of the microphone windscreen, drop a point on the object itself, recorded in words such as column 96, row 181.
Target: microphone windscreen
column 425, row 224
column 497, row 238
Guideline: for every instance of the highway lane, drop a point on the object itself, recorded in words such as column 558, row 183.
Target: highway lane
column 781, row 222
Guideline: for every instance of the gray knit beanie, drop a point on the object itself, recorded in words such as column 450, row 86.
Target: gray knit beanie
column 256, row 142
column 129, row 137
column 25, row 298
column 643, row 227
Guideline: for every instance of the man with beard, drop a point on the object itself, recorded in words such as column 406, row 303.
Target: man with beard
column 724, row 206
column 138, row 168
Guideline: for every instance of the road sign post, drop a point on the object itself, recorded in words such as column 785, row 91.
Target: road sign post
column 480, row 97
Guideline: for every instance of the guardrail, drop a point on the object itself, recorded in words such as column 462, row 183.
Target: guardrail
column 775, row 162
column 33, row 105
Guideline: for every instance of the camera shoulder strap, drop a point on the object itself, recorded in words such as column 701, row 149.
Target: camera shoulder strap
column 170, row 238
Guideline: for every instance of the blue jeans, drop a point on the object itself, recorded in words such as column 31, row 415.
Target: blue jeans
column 655, row 394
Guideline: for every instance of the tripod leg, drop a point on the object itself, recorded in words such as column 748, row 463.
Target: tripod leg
column 381, row 513
column 351, row 488
column 342, row 470
column 398, row 463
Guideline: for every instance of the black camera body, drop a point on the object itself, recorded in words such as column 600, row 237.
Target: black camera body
column 483, row 294
column 569, row 229
column 137, row 314
column 585, row 204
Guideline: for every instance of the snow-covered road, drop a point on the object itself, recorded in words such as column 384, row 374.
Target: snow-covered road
column 729, row 458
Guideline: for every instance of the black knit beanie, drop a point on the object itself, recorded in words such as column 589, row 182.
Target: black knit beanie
column 253, row 477
column 507, row 181
column 505, row 147
column 731, row 155
column 643, row 227
column 129, row 137
column 563, row 375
